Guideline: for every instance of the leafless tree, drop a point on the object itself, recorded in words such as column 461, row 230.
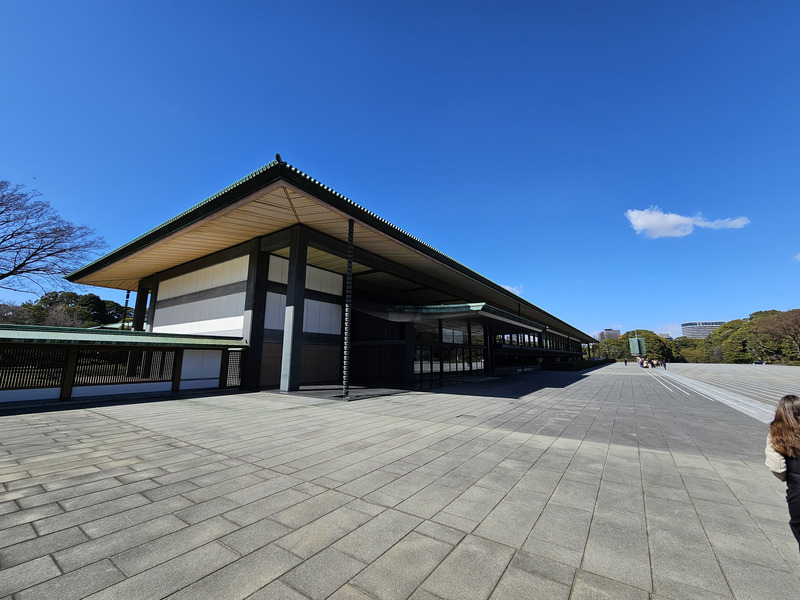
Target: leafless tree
column 37, row 246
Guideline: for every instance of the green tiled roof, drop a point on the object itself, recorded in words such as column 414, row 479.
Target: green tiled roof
column 30, row 334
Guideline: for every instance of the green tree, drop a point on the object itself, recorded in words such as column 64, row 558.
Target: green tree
column 689, row 350
column 610, row 349
column 68, row 309
column 656, row 347
column 783, row 325
column 733, row 342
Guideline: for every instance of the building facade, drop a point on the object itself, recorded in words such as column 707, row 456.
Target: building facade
column 321, row 289
column 608, row 334
column 699, row 329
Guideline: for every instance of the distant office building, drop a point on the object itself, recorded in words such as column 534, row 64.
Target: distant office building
column 608, row 334
column 699, row 329
column 666, row 336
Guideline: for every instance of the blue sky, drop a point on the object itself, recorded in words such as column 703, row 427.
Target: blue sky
column 619, row 164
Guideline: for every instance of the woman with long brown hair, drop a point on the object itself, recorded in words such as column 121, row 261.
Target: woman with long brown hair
column 783, row 455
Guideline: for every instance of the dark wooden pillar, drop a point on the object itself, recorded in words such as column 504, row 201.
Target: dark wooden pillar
column 410, row 352
column 140, row 308
column 295, row 309
column 177, row 369
column 70, row 370
column 488, row 358
column 255, row 304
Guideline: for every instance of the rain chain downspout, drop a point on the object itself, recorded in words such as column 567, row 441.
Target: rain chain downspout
column 348, row 300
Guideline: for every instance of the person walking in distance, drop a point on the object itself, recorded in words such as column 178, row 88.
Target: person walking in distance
column 783, row 455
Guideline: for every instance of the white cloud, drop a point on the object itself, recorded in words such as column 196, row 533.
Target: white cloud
column 797, row 257
column 514, row 289
column 654, row 223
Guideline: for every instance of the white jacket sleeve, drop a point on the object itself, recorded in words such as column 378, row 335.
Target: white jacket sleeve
column 775, row 462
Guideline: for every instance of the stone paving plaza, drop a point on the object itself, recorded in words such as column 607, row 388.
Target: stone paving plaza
column 617, row 483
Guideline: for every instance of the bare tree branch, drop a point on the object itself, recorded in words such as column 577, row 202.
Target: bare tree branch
column 37, row 246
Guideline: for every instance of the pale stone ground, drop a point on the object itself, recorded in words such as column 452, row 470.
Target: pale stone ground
column 620, row 483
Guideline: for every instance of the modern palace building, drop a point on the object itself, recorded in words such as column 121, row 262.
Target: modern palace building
column 320, row 288
column 699, row 329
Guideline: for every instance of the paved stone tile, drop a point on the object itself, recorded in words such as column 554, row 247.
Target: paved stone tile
column 277, row 590
column 323, row 573
column 511, row 522
column 29, row 515
column 522, row 585
column 576, row 494
column 401, row 488
column 19, row 493
column 223, row 488
column 398, row 572
column 470, row 571
column 429, row 500
column 41, row 546
column 189, row 471
column 588, row 586
column 542, row 567
column 167, row 491
column 370, row 482
column 561, row 525
column 263, row 489
column 89, row 476
column 171, row 576
column 205, row 510
column 27, row 575
column 617, row 547
column 255, row 536
column 43, row 497
column 167, row 547
column 18, row 479
column 439, row 532
column 88, row 552
column 75, row 585
column 89, row 499
column 680, row 548
column 241, row 578
column 579, row 467
column 475, row 503
column 317, row 535
column 311, row 509
column 260, row 509
column 16, row 534
column 377, row 535
column 123, row 520
column 756, row 581
column 90, row 513
column 671, row 589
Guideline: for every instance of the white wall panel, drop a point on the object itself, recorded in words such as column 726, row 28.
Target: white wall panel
column 231, row 271
column 200, row 364
column 324, row 281
column 220, row 314
column 322, row 317
column 278, row 269
column 230, row 326
column 275, row 315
